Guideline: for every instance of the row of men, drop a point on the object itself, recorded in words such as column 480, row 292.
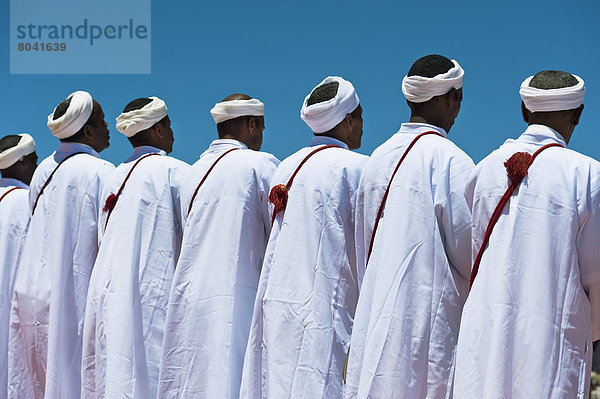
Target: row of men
column 240, row 276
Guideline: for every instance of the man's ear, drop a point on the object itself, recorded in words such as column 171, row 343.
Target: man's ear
column 525, row 112
column 158, row 129
column 251, row 123
column 577, row 115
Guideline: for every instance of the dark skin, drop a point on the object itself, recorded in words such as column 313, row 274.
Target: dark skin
column 440, row 111
column 250, row 132
column 22, row 170
column 160, row 135
column 349, row 130
column 95, row 130
column 563, row 122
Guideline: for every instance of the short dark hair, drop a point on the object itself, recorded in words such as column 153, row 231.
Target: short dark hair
column 138, row 103
column 552, row 80
column 323, row 93
column 9, row 141
column 237, row 96
column 430, row 66
column 61, row 108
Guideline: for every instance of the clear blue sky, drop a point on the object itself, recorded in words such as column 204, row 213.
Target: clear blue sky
column 277, row 51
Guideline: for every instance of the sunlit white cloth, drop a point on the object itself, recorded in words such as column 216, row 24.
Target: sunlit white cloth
column 418, row 89
column 547, row 100
column 308, row 285
column 130, row 283
column 79, row 111
column 211, row 302
column 132, row 122
column 534, row 309
column 25, row 146
column 14, row 219
column 324, row 116
column 411, row 297
column 48, row 304
column 227, row 110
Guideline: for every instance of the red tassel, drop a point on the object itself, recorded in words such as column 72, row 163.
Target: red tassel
column 279, row 197
column 110, row 204
column 516, row 166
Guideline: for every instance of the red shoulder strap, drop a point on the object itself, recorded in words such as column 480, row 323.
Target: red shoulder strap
column 516, row 167
column 50, row 178
column 112, row 199
column 206, row 175
column 387, row 190
column 9, row 191
column 279, row 193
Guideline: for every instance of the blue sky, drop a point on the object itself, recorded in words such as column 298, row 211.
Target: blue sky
column 277, row 51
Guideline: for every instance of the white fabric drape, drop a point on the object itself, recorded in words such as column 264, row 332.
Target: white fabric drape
column 129, row 287
column 308, row 286
column 48, row 304
column 534, row 309
column 411, row 297
column 14, row 219
column 215, row 282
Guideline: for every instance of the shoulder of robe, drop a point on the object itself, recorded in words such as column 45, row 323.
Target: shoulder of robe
column 261, row 158
column 173, row 162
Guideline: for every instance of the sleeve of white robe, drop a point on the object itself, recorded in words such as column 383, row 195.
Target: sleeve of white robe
column 588, row 253
column 265, row 186
column 177, row 180
column 454, row 215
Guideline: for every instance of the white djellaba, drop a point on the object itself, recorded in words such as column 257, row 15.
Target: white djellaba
column 224, row 238
column 140, row 240
column 308, row 286
column 14, row 220
column 534, row 307
column 48, row 304
column 416, row 280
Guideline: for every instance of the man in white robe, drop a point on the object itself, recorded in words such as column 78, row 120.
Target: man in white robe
column 18, row 161
column 534, row 307
column 48, row 304
column 226, row 227
column 140, row 240
column 308, row 286
column 416, row 277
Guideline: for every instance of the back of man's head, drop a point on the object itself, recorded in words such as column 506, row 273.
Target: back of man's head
column 61, row 109
column 430, row 66
column 554, row 99
column 143, row 137
column 231, row 127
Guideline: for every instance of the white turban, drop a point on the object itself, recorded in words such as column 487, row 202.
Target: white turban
column 324, row 116
column 132, row 122
column 25, row 146
column 78, row 113
column 227, row 110
column 548, row 100
column 418, row 89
